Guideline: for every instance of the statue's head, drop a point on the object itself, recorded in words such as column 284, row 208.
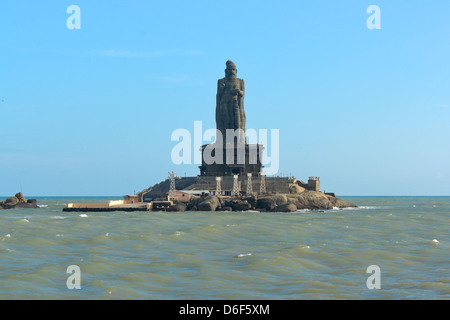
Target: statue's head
column 230, row 71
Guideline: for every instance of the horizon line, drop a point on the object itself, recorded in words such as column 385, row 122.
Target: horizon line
column 100, row 196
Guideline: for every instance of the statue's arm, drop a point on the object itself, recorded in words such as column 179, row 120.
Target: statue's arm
column 220, row 87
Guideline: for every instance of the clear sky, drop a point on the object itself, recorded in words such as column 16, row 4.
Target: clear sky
column 91, row 112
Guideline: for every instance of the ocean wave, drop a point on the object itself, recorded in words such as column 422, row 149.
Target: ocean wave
column 58, row 217
column 357, row 208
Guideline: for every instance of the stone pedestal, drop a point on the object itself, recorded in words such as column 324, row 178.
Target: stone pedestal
column 235, row 159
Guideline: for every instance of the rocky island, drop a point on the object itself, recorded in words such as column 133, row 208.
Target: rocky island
column 18, row 201
column 237, row 182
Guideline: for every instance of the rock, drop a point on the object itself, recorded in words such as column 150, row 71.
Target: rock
column 266, row 203
column 339, row 203
column 240, row 205
column 20, row 197
column 285, row 208
column 280, row 199
column 296, row 189
column 12, row 201
column 313, row 200
column 18, row 201
column 252, row 201
column 177, row 207
column 208, row 203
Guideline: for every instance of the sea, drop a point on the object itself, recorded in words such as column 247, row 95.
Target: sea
column 387, row 248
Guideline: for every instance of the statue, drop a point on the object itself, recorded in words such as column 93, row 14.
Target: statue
column 231, row 155
column 230, row 112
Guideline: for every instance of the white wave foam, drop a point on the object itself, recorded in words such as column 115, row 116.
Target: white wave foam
column 24, row 220
column 303, row 210
column 243, row 255
column 83, row 215
column 42, row 205
column 435, row 241
column 357, row 208
column 58, row 217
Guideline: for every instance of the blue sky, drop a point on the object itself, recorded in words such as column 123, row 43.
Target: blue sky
column 91, row 111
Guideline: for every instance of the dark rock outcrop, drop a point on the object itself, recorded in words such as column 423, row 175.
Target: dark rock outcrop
column 285, row 208
column 177, row 207
column 240, row 205
column 18, row 201
column 208, row 203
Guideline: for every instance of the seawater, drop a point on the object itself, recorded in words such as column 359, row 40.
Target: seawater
column 233, row 255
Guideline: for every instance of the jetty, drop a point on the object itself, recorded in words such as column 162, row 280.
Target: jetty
column 129, row 203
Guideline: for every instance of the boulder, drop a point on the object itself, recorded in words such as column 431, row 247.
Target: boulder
column 285, row 208
column 12, row 201
column 20, row 197
column 208, row 203
column 18, row 201
column 240, row 205
column 225, row 209
column 177, row 207
column 280, row 199
column 252, row 201
column 266, row 203
column 313, row 200
column 296, row 189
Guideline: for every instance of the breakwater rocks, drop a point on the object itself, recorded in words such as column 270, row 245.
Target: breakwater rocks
column 18, row 201
column 274, row 203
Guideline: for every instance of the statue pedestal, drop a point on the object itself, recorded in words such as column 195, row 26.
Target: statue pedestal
column 235, row 159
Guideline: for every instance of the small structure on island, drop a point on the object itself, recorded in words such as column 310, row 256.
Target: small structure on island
column 249, row 185
column 128, row 203
column 262, row 185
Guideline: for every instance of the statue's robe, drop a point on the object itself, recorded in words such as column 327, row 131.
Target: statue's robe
column 230, row 112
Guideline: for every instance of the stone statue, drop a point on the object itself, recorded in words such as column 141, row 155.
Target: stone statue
column 230, row 112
